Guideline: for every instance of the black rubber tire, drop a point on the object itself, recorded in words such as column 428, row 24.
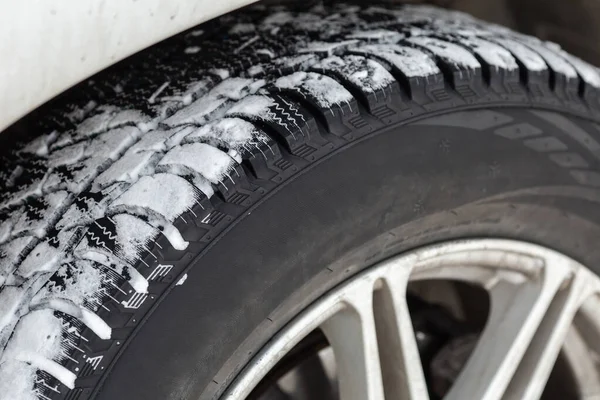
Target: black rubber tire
column 475, row 132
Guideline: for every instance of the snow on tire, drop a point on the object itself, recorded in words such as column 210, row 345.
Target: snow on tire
column 154, row 158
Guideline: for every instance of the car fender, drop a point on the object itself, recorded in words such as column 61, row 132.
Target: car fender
column 48, row 46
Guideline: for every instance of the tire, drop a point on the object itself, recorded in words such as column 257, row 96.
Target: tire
column 170, row 215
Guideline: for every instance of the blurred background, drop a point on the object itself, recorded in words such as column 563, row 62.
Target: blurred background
column 574, row 24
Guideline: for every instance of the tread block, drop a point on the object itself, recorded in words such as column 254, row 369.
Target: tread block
column 165, row 194
column 565, row 77
column 500, row 67
column 460, row 66
column 368, row 78
column 286, row 122
column 414, row 69
column 533, row 69
column 214, row 102
column 333, row 101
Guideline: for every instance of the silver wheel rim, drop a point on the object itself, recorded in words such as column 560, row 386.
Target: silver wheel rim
column 542, row 302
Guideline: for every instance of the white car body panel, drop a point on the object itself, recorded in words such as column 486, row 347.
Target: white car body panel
column 48, row 46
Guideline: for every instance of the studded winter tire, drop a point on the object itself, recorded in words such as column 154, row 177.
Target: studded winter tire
column 166, row 223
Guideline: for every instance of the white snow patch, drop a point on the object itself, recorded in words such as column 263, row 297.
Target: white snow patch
column 182, row 280
column 266, row 52
column 95, row 256
column 53, row 368
column 242, row 27
column 292, row 81
column 255, row 70
column 127, row 169
column 129, row 117
column 68, row 155
column 252, row 106
column 98, row 122
column 6, row 227
column 366, row 74
column 530, row 59
column 133, row 235
column 95, row 323
column 378, row 35
column 555, row 61
column 301, row 61
column 35, row 188
column 232, row 132
column 101, row 149
column 256, row 85
column 108, row 118
column 199, row 111
column 43, row 258
column 278, row 18
column 168, row 101
column 40, row 332
column 191, row 50
column 82, row 283
column 158, row 91
column 588, row 72
column 166, row 194
column 79, row 113
column 495, row 55
column 10, row 302
column 174, row 237
column 151, row 141
column 18, row 380
column 38, row 225
column 40, row 145
column 327, row 48
column 206, row 160
column 412, row 63
column 246, row 44
column 136, row 280
column 37, row 341
column 311, row 22
column 450, row 52
column 325, row 90
column 220, row 72
column 176, row 135
column 82, row 280
column 193, row 90
column 434, row 13
column 74, row 216
column 88, row 318
column 202, row 184
column 147, row 126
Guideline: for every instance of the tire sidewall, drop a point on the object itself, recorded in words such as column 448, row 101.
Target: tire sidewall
column 400, row 189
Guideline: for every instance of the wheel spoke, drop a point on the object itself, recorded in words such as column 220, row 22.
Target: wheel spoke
column 535, row 368
column 352, row 336
column 403, row 375
column 517, row 310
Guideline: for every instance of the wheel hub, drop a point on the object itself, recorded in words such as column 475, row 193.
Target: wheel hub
column 389, row 343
